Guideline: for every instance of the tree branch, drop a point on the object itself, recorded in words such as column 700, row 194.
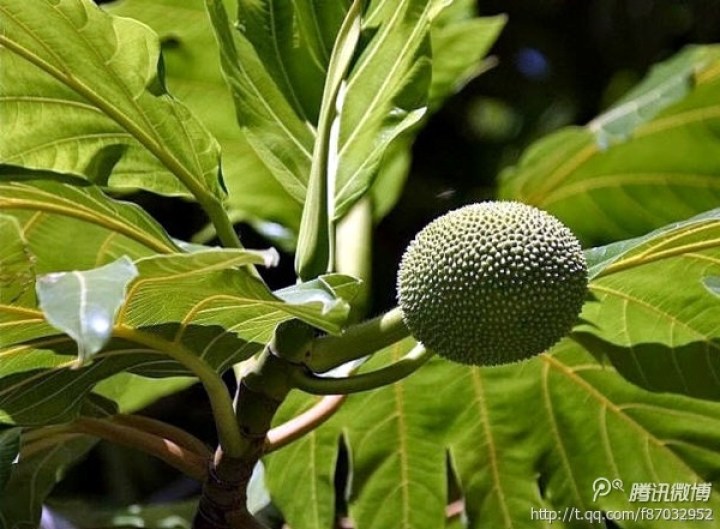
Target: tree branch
column 307, row 421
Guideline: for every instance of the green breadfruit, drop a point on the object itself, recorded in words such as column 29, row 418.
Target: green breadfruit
column 492, row 283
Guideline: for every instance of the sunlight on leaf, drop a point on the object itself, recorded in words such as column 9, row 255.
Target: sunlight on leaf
column 114, row 122
column 17, row 271
column 651, row 313
column 713, row 284
column 84, row 304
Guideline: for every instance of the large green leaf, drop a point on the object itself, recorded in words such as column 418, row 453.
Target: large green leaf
column 650, row 160
column 98, row 80
column 460, row 40
column 652, row 314
column 204, row 289
column 534, row 435
column 279, row 136
column 194, row 303
column 206, row 302
column 192, row 69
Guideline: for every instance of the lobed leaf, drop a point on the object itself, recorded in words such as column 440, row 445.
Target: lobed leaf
column 192, row 73
column 651, row 313
column 206, row 301
column 528, row 436
column 99, row 79
column 650, row 160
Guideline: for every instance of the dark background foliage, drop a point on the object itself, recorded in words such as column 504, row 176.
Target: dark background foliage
column 559, row 62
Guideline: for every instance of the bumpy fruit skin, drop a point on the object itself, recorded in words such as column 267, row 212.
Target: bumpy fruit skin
column 492, row 283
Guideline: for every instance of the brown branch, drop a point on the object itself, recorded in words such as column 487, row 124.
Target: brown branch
column 307, row 421
column 166, row 450
column 168, row 431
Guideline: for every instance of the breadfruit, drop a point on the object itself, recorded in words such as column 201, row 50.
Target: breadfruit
column 492, row 283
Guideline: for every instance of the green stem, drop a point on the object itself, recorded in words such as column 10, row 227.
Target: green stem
column 219, row 218
column 231, row 440
column 354, row 252
column 329, row 352
column 316, row 240
column 367, row 381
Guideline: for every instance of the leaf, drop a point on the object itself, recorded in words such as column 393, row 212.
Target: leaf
column 35, row 358
column 712, row 284
column 41, row 467
column 460, row 40
column 9, row 449
column 278, row 101
column 273, row 129
column 662, row 338
column 16, row 262
column 231, row 298
column 386, row 94
column 84, row 305
column 528, row 436
column 316, row 241
column 56, row 213
column 131, row 393
column 100, row 80
column 650, row 160
column 192, row 73
column 205, row 304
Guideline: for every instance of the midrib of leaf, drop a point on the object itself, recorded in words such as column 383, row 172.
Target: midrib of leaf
column 14, row 309
column 358, row 75
column 79, row 212
column 402, row 433
column 606, row 441
column 313, row 483
column 70, row 139
column 51, row 101
column 551, row 361
column 678, row 120
column 556, row 434
column 586, row 153
column 651, row 254
column 674, row 322
column 632, row 179
column 126, row 122
column 492, row 451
